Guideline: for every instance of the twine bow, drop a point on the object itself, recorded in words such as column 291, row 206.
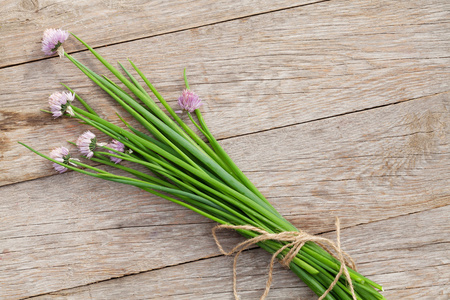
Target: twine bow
column 296, row 241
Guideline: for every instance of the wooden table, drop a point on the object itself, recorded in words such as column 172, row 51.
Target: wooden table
column 332, row 108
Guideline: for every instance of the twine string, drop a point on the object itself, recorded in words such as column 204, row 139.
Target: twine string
column 296, row 240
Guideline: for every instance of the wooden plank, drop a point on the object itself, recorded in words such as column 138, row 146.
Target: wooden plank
column 312, row 62
column 68, row 230
column 396, row 155
column 109, row 22
column 407, row 266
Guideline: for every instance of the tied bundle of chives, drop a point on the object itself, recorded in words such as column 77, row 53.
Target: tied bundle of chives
column 181, row 167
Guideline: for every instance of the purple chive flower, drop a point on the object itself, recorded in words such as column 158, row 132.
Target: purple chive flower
column 118, row 146
column 60, row 103
column 86, row 143
column 52, row 41
column 189, row 101
column 60, row 154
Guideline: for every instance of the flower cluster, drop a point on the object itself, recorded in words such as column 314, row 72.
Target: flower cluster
column 52, row 41
column 60, row 103
column 189, row 101
column 86, row 143
column 117, row 146
column 62, row 155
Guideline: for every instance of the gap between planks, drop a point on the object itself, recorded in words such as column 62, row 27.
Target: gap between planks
column 333, row 116
column 129, row 275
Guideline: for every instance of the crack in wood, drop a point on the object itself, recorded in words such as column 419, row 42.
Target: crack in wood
column 334, row 116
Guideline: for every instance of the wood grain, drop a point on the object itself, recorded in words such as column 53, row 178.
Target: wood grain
column 363, row 173
column 407, row 267
column 401, row 165
column 295, row 70
column 107, row 22
column 338, row 108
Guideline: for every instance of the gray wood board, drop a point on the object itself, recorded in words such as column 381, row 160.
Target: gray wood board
column 407, row 267
column 338, row 108
column 68, row 230
column 252, row 76
column 107, row 22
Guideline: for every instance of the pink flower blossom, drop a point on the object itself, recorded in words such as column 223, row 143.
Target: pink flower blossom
column 118, row 146
column 86, row 143
column 60, row 103
column 52, row 41
column 60, row 154
column 189, row 101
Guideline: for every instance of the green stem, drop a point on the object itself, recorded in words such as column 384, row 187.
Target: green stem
column 282, row 224
column 84, row 103
column 241, row 176
column 186, row 128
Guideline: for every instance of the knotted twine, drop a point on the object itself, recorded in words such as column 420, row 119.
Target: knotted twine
column 297, row 239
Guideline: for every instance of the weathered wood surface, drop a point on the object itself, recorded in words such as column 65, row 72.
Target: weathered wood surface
column 111, row 221
column 23, row 21
column 338, row 108
column 290, row 72
column 417, row 274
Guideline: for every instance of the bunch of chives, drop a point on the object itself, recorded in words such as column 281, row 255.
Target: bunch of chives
column 182, row 168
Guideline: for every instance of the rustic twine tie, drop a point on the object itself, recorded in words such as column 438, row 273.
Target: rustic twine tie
column 297, row 239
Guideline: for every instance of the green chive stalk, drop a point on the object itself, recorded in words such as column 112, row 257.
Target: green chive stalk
column 195, row 172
